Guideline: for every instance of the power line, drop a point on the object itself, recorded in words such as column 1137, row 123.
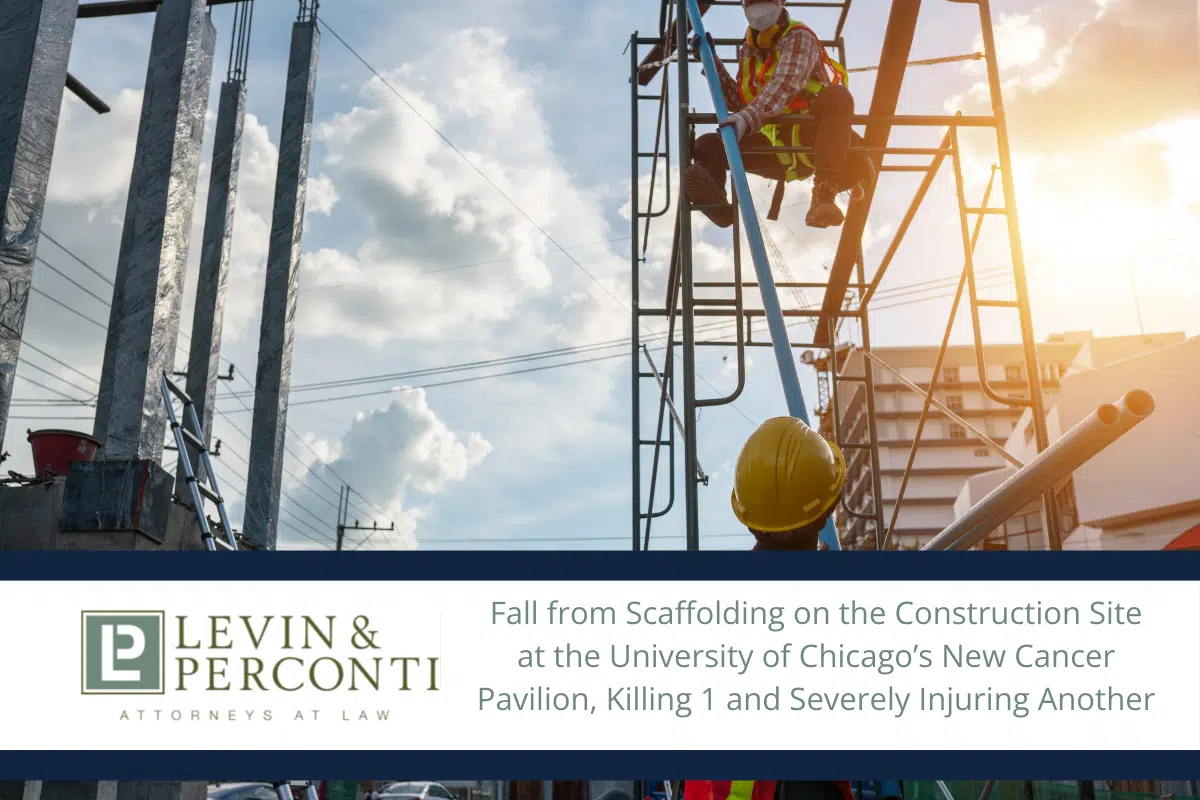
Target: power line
column 74, row 311
column 458, row 381
column 289, row 429
column 285, row 495
column 72, row 281
column 470, row 163
column 27, row 379
column 86, row 265
column 25, row 362
column 470, row 365
column 59, row 362
column 439, row 270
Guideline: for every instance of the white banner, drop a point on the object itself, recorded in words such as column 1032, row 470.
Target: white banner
column 600, row 665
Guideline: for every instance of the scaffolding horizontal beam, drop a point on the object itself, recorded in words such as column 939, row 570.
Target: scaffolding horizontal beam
column 889, row 119
column 76, row 87
column 118, row 8
column 746, row 312
column 780, row 285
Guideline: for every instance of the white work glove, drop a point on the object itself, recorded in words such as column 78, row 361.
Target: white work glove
column 739, row 124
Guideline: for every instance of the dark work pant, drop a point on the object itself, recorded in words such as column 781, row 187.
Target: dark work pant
column 830, row 137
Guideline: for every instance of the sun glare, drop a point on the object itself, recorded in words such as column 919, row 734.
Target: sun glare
column 1091, row 222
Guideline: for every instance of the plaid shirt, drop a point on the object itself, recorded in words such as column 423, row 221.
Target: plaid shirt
column 799, row 60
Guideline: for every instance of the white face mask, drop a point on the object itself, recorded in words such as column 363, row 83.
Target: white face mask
column 763, row 15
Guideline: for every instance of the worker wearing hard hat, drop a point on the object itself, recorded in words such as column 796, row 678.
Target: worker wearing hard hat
column 783, row 69
column 786, row 484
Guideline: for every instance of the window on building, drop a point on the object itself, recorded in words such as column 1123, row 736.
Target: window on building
column 1014, row 372
column 954, row 402
column 957, row 431
column 982, row 452
column 950, row 375
column 1068, row 514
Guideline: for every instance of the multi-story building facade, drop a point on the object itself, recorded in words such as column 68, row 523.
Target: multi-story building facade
column 949, row 453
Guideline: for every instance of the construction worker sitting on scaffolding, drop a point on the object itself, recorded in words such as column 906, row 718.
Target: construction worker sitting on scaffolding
column 783, row 69
column 786, row 484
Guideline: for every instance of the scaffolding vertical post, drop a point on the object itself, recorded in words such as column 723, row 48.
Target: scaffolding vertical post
column 1028, row 342
column 690, row 454
column 37, row 38
column 204, row 355
column 872, row 425
column 143, row 326
column 634, row 290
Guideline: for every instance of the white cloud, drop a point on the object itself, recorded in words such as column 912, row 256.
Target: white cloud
column 401, row 457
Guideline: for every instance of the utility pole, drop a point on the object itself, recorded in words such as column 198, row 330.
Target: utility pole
column 343, row 518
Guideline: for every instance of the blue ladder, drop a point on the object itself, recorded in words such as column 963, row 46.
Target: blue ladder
column 782, row 345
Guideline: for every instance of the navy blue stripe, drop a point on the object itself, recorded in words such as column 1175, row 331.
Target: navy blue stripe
column 604, row 765
column 615, row 566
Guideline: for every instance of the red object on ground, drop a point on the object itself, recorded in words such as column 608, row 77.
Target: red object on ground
column 54, row 450
column 1188, row 540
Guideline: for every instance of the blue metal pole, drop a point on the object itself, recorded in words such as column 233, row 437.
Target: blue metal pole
column 788, row 373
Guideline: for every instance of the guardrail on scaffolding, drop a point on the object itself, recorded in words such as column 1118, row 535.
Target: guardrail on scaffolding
column 781, row 344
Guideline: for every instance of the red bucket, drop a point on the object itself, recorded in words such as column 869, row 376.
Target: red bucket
column 53, row 450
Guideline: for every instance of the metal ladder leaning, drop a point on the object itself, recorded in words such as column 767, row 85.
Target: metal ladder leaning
column 283, row 790
column 195, row 439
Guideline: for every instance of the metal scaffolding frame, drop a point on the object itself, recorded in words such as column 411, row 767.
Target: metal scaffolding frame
column 848, row 291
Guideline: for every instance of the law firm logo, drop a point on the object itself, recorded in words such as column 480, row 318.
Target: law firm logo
column 123, row 652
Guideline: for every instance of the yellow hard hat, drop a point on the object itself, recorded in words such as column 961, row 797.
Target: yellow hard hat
column 787, row 476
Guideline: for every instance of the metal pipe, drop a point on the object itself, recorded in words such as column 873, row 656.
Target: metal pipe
column 635, row 279
column 992, row 443
column 691, row 489
column 740, row 340
column 700, row 474
column 788, row 373
column 895, row 120
column 1070, row 451
column 872, row 422
column 668, row 368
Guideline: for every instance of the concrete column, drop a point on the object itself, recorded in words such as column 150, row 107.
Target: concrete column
column 274, row 377
column 144, row 323
column 35, row 45
column 204, row 358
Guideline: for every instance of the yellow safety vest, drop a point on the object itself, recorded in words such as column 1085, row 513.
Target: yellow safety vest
column 755, row 73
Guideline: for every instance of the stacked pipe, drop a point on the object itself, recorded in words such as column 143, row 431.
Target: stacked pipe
column 1072, row 450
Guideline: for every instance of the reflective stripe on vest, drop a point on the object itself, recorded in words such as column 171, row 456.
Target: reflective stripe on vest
column 756, row 73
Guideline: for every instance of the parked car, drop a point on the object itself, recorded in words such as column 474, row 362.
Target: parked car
column 415, row 790
column 242, row 791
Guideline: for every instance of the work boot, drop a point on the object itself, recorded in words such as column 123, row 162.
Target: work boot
column 824, row 211
column 707, row 195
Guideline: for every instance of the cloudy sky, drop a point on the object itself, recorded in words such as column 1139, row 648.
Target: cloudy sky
column 421, row 255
